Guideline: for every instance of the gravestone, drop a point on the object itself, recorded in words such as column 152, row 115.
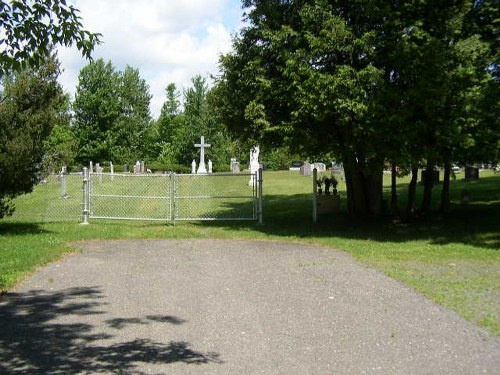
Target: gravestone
column 296, row 164
column 143, row 170
column 193, row 167
column 111, row 169
column 91, row 167
column 99, row 170
column 64, row 193
column 235, row 166
column 210, row 165
column 125, row 168
column 471, row 173
column 306, row 169
column 321, row 167
column 137, row 167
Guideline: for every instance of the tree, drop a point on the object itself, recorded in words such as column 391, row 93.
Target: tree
column 96, row 110
column 32, row 102
column 30, row 28
column 61, row 145
column 368, row 80
column 111, row 114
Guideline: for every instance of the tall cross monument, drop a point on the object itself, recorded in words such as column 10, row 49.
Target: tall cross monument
column 202, row 169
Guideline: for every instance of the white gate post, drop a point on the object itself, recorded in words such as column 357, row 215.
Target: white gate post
column 85, row 204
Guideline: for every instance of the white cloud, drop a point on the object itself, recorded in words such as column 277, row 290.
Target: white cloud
column 167, row 40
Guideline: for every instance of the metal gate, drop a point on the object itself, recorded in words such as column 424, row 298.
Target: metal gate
column 172, row 197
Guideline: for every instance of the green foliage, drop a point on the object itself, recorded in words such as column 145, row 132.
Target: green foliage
column 31, row 105
column 111, row 114
column 172, row 137
column 365, row 81
column 29, row 29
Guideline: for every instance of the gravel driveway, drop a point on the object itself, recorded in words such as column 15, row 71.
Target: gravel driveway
column 229, row 307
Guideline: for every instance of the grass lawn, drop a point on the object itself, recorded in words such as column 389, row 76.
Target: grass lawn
column 455, row 260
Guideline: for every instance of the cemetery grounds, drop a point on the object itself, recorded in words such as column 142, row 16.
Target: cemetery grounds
column 452, row 259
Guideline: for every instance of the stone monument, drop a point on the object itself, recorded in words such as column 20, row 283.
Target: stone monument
column 202, row 169
column 254, row 164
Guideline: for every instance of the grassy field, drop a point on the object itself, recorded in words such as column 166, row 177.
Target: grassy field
column 453, row 259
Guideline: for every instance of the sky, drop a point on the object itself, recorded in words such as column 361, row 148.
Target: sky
column 168, row 41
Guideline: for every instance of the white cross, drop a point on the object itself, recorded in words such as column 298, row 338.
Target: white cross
column 202, row 169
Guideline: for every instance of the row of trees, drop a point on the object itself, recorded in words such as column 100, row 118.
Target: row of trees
column 412, row 82
column 111, row 121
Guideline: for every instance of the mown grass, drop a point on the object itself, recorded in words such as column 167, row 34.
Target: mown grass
column 453, row 259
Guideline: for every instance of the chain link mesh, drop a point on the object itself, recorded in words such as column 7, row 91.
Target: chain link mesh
column 57, row 198
column 163, row 197
column 215, row 197
column 130, row 196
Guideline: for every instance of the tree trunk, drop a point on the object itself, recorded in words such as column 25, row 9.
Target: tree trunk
column 364, row 188
column 445, row 193
column 412, row 190
column 428, row 184
column 394, row 194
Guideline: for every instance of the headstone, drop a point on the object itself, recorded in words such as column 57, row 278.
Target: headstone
column 64, row 193
column 321, row 167
column 202, row 169
column 296, row 164
column 306, row 169
column 111, row 169
column 193, row 167
column 254, row 163
column 210, row 165
column 235, row 166
column 99, row 171
column 137, row 167
column 471, row 173
column 91, row 167
column 125, row 168
column 143, row 170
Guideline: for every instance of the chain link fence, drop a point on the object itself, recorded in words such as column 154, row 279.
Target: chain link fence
column 78, row 197
column 57, row 198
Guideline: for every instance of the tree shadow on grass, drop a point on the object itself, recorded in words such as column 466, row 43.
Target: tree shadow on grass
column 20, row 229
column 475, row 224
column 33, row 341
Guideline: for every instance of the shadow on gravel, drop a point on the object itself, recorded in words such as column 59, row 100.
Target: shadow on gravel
column 32, row 341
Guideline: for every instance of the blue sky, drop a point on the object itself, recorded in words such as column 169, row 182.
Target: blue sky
column 167, row 40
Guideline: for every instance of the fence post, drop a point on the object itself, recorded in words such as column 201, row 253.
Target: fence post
column 85, row 204
column 259, row 186
column 172, row 196
column 315, row 193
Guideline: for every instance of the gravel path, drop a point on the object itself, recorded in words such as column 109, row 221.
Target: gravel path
column 229, row 307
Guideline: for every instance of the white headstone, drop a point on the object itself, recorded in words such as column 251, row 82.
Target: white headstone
column 210, row 166
column 306, row 169
column 111, row 169
column 235, row 166
column 193, row 167
column 202, row 169
column 91, row 167
column 321, row 167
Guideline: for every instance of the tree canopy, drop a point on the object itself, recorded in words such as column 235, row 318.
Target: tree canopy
column 30, row 28
column 33, row 101
column 367, row 80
